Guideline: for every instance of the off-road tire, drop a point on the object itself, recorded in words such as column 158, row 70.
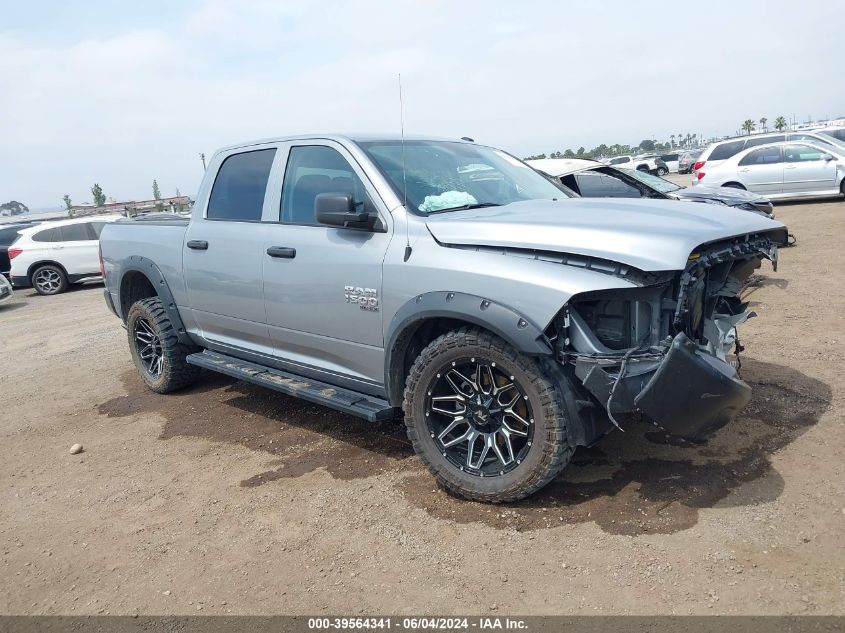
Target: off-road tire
column 175, row 373
column 549, row 452
column 56, row 272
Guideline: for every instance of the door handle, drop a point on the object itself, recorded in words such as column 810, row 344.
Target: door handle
column 198, row 245
column 744, row 170
column 284, row 252
column 790, row 166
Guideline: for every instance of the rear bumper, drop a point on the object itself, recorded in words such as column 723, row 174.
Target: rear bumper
column 20, row 282
column 110, row 302
column 692, row 393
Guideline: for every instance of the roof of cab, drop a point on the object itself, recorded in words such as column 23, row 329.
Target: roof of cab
column 341, row 138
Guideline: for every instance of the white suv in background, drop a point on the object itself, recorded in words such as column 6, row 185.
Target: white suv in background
column 52, row 255
column 721, row 151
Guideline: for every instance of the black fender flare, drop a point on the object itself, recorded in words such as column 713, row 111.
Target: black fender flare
column 148, row 268
column 504, row 321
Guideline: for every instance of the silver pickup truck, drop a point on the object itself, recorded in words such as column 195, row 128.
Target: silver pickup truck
column 509, row 321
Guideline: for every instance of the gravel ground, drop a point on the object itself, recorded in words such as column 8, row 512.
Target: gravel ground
column 230, row 499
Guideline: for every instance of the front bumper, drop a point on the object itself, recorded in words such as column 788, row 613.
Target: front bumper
column 689, row 393
column 692, row 393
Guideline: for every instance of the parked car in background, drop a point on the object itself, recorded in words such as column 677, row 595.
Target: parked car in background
column 590, row 179
column 723, row 150
column 52, row 255
column 651, row 164
column 6, row 293
column 781, row 171
column 8, row 234
column 671, row 161
column 687, row 160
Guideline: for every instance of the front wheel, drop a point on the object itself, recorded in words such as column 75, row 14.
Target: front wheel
column 155, row 347
column 661, row 171
column 484, row 418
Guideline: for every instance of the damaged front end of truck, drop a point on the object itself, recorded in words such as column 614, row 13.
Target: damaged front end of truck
column 667, row 351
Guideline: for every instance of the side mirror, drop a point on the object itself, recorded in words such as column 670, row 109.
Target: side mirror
column 828, row 157
column 338, row 209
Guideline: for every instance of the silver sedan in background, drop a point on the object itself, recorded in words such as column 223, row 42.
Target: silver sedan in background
column 781, row 171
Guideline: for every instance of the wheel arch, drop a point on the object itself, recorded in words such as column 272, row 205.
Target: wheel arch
column 734, row 184
column 427, row 316
column 140, row 278
column 44, row 262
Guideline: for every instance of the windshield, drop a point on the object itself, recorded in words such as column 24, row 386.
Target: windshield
column 445, row 176
column 655, row 182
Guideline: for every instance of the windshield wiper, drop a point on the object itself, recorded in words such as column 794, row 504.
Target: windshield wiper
column 464, row 207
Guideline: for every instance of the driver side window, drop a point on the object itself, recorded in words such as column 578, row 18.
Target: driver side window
column 312, row 170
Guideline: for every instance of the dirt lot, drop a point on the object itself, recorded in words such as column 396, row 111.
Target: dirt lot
column 230, row 499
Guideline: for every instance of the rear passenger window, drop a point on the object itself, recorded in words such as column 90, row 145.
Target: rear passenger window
column 238, row 191
column 48, row 235
column 726, row 150
column 764, row 140
column 312, row 170
column 74, row 233
column 765, row 156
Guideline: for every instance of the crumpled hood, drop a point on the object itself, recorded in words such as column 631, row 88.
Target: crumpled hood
column 647, row 234
column 728, row 195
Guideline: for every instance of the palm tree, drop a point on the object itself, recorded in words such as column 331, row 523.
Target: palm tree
column 748, row 127
column 780, row 124
column 763, row 121
column 672, row 138
column 694, row 137
column 681, row 139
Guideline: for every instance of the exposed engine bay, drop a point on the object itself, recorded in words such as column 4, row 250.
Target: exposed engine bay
column 668, row 351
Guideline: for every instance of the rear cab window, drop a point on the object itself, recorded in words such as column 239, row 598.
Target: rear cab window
column 239, row 188
column 723, row 151
column 596, row 185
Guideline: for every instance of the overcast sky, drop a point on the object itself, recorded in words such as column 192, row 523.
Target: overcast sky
column 98, row 91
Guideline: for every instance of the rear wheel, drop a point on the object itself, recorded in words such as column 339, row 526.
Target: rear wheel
column 155, row 347
column 484, row 418
column 662, row 171
column 49, row 280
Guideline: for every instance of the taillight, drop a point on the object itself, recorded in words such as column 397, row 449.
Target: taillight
column 14, row 252
column 701, row 175
column 698, row 165
column 102, row 263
